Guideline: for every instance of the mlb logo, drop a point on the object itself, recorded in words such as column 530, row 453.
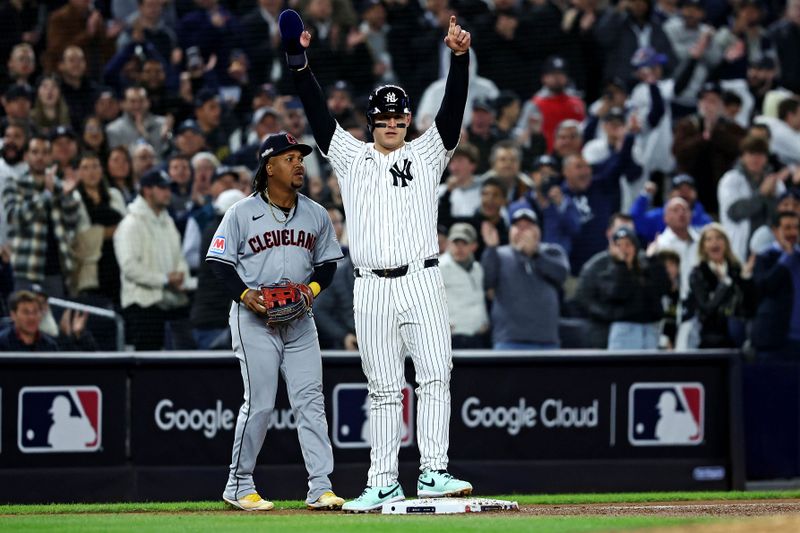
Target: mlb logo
column 666, row 414
column 217, row 245
column 351, row 416
column 60, row 419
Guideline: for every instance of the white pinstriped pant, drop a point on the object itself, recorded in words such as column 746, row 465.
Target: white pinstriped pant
column 393, row 317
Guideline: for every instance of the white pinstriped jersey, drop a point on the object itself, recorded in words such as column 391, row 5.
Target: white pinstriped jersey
column 390, row 200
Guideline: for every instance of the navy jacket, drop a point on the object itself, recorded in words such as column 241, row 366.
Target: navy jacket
column 774, row 284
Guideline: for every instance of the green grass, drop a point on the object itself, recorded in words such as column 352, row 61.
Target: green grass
column 523, row 499
column 214, row 516
column 323, row 523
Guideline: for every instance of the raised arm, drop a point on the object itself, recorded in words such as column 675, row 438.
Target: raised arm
column 451, row 113
column 295, row 41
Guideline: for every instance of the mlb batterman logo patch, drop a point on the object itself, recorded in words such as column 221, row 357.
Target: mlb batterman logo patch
column 351, row 416
column 666, row 414
column 217, row 245
column 60, row 419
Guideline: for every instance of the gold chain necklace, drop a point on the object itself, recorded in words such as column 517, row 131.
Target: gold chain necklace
column 272, row 211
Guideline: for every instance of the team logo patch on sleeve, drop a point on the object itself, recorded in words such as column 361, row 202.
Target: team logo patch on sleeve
column 60, row 419
column 217, row 245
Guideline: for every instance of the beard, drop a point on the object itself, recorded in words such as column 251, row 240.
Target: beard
column 11, row 154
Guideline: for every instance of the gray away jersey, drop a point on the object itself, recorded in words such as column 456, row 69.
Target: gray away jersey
column 390, row 200
column 264, row 250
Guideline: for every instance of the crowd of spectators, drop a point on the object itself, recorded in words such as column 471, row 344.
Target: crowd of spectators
column 627, row 176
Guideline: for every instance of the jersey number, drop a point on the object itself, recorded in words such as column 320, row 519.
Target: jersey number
column 402, row 175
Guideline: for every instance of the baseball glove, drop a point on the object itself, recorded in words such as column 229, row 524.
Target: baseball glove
column 286, row 301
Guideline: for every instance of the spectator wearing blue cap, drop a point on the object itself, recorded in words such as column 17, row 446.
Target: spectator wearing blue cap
column 528, row 267
column 651, row 105
column 650, row 221
column 155, row 276
column 623, row 29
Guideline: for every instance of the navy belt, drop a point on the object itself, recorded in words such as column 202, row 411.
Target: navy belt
column 399, row 271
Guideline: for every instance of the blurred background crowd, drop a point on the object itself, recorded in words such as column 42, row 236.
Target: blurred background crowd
column 628, row 175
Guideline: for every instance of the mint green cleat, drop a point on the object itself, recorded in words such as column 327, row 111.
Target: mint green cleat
column 439, row 484
column 373, row 498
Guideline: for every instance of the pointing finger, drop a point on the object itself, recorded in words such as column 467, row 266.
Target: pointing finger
column 452, row 24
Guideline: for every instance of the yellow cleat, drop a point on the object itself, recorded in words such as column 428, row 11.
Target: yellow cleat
column 251, row 502
column 328, row 501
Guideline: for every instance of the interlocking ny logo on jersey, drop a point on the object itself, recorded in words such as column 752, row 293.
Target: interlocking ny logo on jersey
column 351, row 416
column 60, row 419
column 404, row 175
column 666, row 414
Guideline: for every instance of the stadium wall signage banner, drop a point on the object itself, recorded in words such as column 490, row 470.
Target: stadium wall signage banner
column 613, row 421
column 58, row 414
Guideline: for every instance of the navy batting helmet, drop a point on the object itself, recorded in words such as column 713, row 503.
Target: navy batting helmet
column 387, row 99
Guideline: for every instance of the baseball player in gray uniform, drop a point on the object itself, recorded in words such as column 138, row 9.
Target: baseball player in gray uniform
column 389, row 193
column 273, row 234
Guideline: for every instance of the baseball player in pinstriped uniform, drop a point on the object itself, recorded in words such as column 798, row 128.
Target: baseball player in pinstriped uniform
column 389, row 193
column 276, row 233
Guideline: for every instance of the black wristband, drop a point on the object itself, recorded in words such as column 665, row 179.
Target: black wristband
column 297, row 61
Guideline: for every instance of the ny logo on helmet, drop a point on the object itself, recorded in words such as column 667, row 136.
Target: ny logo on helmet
column 391, row 98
